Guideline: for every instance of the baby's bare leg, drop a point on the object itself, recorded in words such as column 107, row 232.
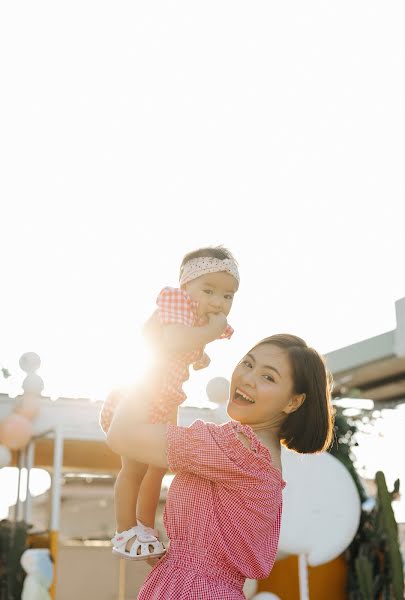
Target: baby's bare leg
column 126, row 493
column 149, row 494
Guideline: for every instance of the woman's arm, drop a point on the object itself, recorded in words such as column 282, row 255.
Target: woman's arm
column 131, row 436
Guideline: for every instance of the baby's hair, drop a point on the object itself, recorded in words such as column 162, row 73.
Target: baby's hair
column 210, row 251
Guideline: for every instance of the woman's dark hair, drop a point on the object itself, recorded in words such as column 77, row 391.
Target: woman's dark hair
column 210, row 251
column 310, row 427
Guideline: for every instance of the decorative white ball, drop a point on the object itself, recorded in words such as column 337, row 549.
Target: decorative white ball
column 321, row 507
column 5, row 456
column 218, row 390
column 30, row 362
column 266, row 596
column 33, row 384
column 250, row 588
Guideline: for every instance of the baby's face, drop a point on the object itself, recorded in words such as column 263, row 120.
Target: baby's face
column 214, row 292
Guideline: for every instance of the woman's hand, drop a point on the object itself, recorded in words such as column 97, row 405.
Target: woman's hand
column 202, row 363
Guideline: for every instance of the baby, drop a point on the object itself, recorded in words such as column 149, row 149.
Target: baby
column 187, row 318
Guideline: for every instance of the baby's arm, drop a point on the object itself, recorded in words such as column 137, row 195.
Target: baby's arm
column 181, row 338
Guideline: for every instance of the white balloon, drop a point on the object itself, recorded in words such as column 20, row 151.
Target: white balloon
column 33, row 590
column 218, row 390
column 250, row 588
column 30, row 362
column 37, row 563
column 321, row 507
column 5, row 456
column 266, row 596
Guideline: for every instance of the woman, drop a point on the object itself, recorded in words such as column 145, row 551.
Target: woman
column 224, row 506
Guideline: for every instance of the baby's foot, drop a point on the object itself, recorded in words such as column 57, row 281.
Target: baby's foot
column 138, row 543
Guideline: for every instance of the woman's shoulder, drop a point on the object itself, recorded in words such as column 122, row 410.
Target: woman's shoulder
column 249, row 450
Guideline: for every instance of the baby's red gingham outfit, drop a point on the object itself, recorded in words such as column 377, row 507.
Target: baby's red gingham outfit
column 174, row 306
column 222, row 514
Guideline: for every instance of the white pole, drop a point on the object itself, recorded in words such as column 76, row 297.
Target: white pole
column 303, row 577
column 28, row 498
column 56, row 479
column 20, row 461
column 121, row 580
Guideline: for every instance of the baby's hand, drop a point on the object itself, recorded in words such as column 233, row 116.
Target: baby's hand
column 218, row 323
column 202, row 363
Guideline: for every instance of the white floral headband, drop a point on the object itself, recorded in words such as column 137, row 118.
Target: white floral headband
column 196, row 267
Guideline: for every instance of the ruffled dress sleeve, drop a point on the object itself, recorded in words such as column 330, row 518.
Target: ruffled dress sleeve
column 214, row 452
column 175, row 306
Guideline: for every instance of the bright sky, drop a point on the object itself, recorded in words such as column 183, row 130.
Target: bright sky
column 132, row 133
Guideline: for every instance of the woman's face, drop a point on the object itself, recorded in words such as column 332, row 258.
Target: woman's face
column 261, row 391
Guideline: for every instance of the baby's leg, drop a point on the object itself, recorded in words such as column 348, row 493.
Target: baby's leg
column 126, row 493
column 149, row 495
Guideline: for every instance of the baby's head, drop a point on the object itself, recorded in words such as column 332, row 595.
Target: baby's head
column 210, row 275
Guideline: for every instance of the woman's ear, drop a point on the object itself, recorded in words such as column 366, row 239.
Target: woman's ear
column 294, row 403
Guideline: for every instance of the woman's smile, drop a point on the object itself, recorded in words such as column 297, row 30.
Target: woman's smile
column 242, row 398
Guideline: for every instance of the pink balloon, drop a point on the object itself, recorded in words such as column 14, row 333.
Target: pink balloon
column 28, row 406
column 15, row 431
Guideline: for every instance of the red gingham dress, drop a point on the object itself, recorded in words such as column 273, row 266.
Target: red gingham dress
column 174, row 306
column 222, row 515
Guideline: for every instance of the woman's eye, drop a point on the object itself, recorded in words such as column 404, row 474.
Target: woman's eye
column 229, row 297
column 208, row 291
column 268, row 377
column 247, row 363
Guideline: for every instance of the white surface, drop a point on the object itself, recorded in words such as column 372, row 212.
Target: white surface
column 321, row 507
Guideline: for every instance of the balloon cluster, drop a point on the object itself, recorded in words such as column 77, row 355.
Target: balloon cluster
column 16, row 429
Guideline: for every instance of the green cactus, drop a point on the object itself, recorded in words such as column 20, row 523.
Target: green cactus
column 365, row 579
column 389, row 530
column 375, row 548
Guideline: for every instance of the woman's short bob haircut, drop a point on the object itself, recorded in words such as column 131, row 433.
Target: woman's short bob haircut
column 310, row 428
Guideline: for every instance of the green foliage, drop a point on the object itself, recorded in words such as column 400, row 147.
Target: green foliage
column 345, row 439
column 388, row 530
column 5, row 372
column 365, row 579
column 375, row 569
column 13, row 542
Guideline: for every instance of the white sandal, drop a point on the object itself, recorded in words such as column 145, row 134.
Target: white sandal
column 145, row 541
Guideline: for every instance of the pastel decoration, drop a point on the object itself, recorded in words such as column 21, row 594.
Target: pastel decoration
column 250, row 588
column 28, row 406
column 15, row 431
column 30, row 362
column 33, row 384
column 321, row 507
column 266, row 596
column 5, row 456
column 39, row 568
column 218, row 390
column 33, row 590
